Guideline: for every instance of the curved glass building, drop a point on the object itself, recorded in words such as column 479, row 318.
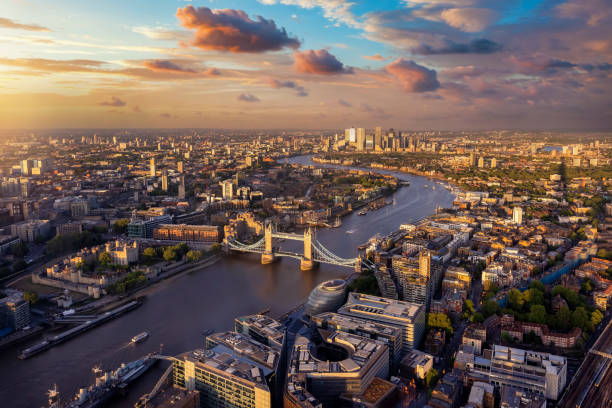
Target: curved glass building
column 326, row 297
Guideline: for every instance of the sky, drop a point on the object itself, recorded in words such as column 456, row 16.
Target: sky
column 306, row 64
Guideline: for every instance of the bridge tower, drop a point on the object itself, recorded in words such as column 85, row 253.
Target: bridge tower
column 307, row 263
column 268, row 256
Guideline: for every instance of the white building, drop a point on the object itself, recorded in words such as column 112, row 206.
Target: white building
column 517, row 215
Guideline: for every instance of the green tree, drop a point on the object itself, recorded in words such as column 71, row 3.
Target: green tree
column 120, row 226
column 31, row 297
column 170, row 254
column 441, row 321
column 431, row 378
column 537, row 314
column 536, row 284
column 468, row 305
column 586, row 286
column 516, row 300
column 533, row 296
column 194, row 255
column 149, row 252
column 105, row 259
column 580, row 318
column 596, row 317
column 477, row 317
column 489, row 308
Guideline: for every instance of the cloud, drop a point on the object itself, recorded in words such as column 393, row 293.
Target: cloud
column 247, row 97
column 546, row 66
column 168, row 66
column 167, row 115
column 477, row 46
column 375, row 57
column 160, row 33
column 7, row 23
column 233, row 30
column 594, row 12
column 299, row 90
column 413, row 77
column 319, row 62
column 337, row 11
column 114, row 101
column 469, row 19
column 344, row 103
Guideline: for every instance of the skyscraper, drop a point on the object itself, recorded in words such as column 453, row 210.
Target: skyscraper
column 517, row 215
column 181, row 188
column 152, row 169
column 165, row 180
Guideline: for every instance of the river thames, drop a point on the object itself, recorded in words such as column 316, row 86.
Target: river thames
column 177, row 311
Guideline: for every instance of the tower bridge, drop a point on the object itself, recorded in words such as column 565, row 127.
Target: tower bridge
column 314, row 252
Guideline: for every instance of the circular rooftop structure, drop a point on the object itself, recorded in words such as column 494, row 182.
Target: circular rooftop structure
column 326, row 297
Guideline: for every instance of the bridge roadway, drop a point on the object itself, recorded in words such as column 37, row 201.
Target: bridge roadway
column 591, row 386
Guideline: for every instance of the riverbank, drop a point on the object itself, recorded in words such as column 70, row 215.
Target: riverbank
column 405, row 170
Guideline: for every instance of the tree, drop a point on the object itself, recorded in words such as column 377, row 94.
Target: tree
column 105, row 259
column 431, row 378
column 469, row 306
column 537, row 314
column 536, row 284
column 441, row 321
column 193, row 256
column 580, row 318
column 477, row 317
column 586, row 286
column 596, row 317
column 170, row 254
column 31, row 297
column 533, row 296
column 120, row 226
column 489, row 308
column 516, row 300
column 149, row 252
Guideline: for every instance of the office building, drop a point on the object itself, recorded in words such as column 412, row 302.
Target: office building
column 224, row 378
column 532, row 371
column 385, row 333
column 152, row 168
column 190, row 233
column 410, row 317
column 30, row 231
column 165, row 180
column 181, row 187
column 261, row 328
column 227, row 189
column 179, row 167
column 14, row 310
column 481, row 162
column 416, row 364
column 144, row 228
column 341, row 363
column 517, row 215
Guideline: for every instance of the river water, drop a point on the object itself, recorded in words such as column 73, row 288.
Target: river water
column 177, row 311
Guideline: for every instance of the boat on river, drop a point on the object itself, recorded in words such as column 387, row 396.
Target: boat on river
column 139, row 338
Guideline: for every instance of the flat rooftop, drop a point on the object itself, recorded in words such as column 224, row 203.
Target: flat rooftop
column 373, row 305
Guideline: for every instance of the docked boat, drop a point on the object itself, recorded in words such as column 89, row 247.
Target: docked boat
column 106, row 386
column 139, row 338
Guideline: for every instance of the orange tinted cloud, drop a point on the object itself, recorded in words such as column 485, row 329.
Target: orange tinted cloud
column 319, row 62
column 172, row 67
column 414, row 77
column 233, row 30
column 375, row 57
column 7, row 23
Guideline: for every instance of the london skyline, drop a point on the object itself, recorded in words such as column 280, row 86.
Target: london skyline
column 420, row 64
